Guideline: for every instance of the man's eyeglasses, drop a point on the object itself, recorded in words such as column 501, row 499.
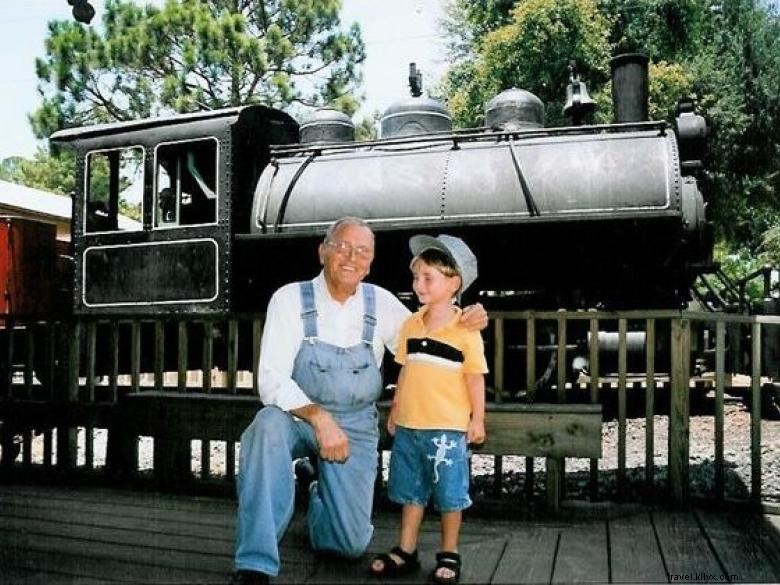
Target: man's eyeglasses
column 346, row 249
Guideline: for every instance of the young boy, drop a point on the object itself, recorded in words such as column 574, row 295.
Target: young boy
column 438, row 409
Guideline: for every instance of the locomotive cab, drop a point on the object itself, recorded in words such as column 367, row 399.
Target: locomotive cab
column 156, row 205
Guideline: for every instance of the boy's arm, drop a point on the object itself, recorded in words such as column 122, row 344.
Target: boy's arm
column 393, row 407
column 476, row 387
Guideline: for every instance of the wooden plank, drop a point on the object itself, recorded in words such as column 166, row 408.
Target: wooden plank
column 92, row 566
column 170, row 536
column 34, row 576
column 91, row 359
column 498, row 358
column 720, row 383
column 27, row 448
column 529, row 556
column 479, row 559
column 650, row 406
column 51, row 346
column 755, row 414
column 561, row 365
column 182, row 357
column 582, row 554
column 679, row 416
column 205, row 416
column 142, row 543
column 537, row 430
column 684, row 546
column 87, row 534
column 594, row 398
column 125, row 514
column 208, row 354
column 622, row 405
column 530, row 358
column 762, row 531
column 543, row 431
column 331, row 569
column 113, row 374
column 152, row 524
column 29, row 360
column 67, row 448
column 634, row 553
column 159, row 354
column 135, row 355
column 42, row 495
column 742, row 560
column 554, row 482
column 8, row 374
column 232, row 361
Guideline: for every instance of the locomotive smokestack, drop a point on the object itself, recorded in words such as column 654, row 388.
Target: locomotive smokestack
column 415, row 114
column 630, row 87
column 415, row 80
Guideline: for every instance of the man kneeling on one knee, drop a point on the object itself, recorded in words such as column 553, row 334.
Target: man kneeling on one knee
column 319, row 380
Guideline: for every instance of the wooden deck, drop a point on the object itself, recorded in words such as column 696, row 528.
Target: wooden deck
column 57, row 535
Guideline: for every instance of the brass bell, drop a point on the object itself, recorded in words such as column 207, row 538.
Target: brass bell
column 579, row 104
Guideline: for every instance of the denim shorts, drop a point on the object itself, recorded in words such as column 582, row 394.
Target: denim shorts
column 430, row 463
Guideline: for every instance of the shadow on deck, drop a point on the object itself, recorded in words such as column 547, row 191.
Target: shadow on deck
column 58, row 535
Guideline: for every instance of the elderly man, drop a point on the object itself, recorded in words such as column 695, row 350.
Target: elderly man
column 323, row 344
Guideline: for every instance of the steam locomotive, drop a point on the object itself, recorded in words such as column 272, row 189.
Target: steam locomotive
column 232, row 202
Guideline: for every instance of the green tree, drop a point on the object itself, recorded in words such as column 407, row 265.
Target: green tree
column 196, row 54
column 723, row 53
column 532, row 51
column 45, row 172
column 366, row 127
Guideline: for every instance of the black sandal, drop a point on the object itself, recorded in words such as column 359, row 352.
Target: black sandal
column 447, row 560
column 392, row 568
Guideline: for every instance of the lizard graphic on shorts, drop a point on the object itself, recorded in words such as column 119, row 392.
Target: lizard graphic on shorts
column 442, row 446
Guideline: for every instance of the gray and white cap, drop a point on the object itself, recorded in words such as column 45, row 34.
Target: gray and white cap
column 455, row 248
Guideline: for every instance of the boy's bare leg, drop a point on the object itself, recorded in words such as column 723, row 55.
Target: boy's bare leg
column 450, row 531
column 411, row 518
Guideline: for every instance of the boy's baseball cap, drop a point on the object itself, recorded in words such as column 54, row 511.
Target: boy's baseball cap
column 455, row 248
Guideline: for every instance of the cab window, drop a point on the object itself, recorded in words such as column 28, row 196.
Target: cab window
column 186, row 183
column 114, row 190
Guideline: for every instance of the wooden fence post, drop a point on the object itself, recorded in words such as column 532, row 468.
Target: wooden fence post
column 680, row 411
column 755, row 413
column 67, row 436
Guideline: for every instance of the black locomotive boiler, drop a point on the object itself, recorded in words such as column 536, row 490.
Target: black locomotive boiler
column 232, row 202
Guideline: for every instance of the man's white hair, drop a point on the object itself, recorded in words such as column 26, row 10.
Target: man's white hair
column 348, row 220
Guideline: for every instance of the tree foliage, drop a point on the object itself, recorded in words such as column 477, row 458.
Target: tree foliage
column 723, row 53
column 196, row 54
column 532, row 51
column 45, row 172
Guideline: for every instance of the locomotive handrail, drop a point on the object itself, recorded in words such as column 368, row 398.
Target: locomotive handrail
column 289, row 190
column 529, row 198
column 469, row 134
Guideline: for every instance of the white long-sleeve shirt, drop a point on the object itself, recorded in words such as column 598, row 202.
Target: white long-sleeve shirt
column 340, row 324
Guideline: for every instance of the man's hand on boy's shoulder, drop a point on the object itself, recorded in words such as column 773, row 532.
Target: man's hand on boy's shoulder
column 474, row 317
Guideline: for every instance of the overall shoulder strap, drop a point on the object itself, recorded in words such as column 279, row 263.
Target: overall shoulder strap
column 369, row 313
column 308, row 310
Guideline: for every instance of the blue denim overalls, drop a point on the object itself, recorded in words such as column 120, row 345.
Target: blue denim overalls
column 346, row 382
